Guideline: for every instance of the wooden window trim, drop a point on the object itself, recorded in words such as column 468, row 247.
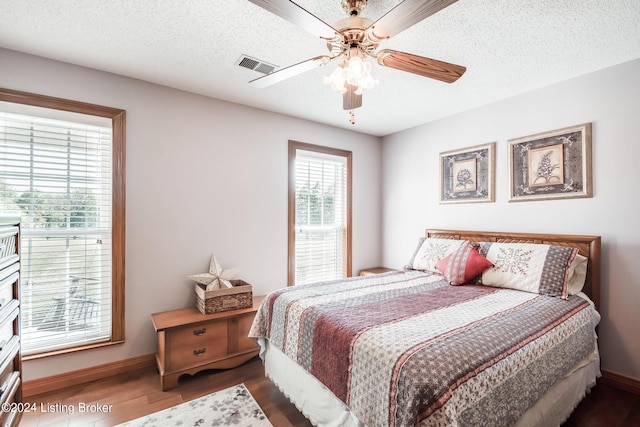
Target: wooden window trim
column 118, row 121
column 296, row 145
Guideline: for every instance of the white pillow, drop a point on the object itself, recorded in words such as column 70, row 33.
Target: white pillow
column 430, row 251
column 577, row 275
column 538, row 268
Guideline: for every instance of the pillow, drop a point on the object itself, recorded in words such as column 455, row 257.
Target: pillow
column 430, row 251
column 537, row 268
column 463, row 264
column 577, row 275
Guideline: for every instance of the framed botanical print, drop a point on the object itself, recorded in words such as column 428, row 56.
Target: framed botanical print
column 551, row 165
column 467, row 175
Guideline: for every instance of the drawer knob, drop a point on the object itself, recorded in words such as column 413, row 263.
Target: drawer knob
column 198, row 332
column 199, row 352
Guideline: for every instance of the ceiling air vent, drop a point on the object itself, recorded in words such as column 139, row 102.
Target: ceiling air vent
column 255, row 64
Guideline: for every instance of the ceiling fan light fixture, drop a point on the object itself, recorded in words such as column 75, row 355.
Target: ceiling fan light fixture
column 358, row 73
column 353, row 71
column 337, row 79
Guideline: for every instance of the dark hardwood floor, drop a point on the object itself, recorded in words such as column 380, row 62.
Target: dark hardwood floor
column 136, row 394
column 606, row 406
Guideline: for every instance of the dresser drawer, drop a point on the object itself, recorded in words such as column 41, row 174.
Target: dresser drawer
column 8, row 277
column 9, row 352
column 8, row 314
column 6, row 333
column 10, row 388
column 196, row 354
column 195, row 334
column 8, row 245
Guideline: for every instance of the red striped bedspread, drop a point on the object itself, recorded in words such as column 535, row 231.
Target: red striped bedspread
column 405, row 347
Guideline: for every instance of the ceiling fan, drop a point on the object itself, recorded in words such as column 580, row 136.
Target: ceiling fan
column 354, row 39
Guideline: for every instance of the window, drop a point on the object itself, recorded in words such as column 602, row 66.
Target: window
column 62, row 171
column 319, row 213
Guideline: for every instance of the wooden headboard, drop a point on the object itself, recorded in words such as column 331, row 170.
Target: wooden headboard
column 588, row 246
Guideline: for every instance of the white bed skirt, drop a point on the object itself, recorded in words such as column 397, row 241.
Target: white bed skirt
column 322, row 408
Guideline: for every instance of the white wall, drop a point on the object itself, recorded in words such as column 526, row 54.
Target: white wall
column 203, row 176
column 610, row 99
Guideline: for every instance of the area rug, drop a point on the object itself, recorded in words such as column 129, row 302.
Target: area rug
column 233, row 406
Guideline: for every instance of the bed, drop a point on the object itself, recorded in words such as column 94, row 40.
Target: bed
column 432, row 347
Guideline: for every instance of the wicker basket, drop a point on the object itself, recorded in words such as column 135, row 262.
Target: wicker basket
column 217, row 300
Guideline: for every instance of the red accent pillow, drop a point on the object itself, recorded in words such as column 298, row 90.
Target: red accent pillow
column 463, row 264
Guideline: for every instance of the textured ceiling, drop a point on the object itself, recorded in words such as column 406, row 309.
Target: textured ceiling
column 508, row 46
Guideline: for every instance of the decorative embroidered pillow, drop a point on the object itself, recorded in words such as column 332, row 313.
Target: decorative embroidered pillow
column 430, row 251
column 463, row 264
column 537, row 268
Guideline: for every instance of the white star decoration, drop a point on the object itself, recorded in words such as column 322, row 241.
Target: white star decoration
column 216, row 278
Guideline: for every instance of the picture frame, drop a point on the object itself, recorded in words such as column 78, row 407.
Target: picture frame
column 551, row 165
column 467, row 175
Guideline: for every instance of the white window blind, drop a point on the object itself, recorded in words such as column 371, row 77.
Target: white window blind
column 320, row 217
column 57, row 174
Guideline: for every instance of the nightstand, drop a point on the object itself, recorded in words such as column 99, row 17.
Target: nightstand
column 375, row 270
column 189, row 341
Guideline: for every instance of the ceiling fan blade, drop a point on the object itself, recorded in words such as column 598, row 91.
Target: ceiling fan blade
column 350, row 99
column 290, row 71
column 406, row 14
column 421, row 65
column 295, row 14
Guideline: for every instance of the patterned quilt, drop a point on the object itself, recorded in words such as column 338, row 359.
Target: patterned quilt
column 406, row 347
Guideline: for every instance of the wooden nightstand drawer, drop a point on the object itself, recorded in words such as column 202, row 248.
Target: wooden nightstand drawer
column 196, row 334
column 188, row 356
